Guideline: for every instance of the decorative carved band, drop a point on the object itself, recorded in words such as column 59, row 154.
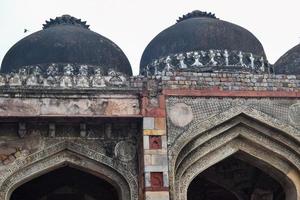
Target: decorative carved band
column 66, row 76
column 209, row 61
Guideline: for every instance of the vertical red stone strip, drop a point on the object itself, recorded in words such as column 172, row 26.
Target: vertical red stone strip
column 155, row 150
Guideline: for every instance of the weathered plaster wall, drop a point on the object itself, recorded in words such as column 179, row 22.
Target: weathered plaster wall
column 96, row 106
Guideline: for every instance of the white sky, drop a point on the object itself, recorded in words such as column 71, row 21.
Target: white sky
column 131, row 24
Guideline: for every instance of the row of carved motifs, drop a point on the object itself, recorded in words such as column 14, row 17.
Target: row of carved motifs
column 123, row 150
column 33, row 76
column 198, row 60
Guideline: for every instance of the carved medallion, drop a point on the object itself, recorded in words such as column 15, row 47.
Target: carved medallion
column 125, row 151
column 294, row 113
column 181, row 114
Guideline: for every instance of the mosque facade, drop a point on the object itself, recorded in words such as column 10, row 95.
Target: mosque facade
column 207, row 118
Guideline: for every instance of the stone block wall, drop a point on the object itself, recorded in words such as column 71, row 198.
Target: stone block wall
column 232, row 81
column 274, row 84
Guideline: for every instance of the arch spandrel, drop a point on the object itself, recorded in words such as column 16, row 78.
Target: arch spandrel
column 66, row 153
column 239, row 121
column 276, row 145
column 222, row 122
column 245, row 130
column 225, row 117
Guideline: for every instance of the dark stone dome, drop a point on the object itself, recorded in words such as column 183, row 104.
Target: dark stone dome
column 289, row 63
column 66, row 40
column 200, row 31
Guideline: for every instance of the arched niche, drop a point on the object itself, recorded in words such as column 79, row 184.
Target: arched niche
column 75, row 156
column 266, row 147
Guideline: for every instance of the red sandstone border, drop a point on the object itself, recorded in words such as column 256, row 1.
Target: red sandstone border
column 216, row 92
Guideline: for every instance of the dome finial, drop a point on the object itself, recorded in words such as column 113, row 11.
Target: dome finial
column 65, row 20
column 196, row 13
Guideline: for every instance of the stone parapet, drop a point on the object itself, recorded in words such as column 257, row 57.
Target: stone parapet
column 155, row 84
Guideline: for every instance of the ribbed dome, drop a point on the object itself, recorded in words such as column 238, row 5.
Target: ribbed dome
column 201, row 31
column 289, row 63
column 66, row 40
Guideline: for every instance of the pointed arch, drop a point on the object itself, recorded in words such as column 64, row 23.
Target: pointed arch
column 75, row 155
column 266, row 145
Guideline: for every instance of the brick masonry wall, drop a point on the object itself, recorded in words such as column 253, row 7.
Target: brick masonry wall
column 223, row 81
column 227, row 81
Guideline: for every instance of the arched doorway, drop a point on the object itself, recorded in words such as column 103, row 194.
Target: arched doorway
column 66, row 183
column 234, row 179
column 89, row 163
column 272, row 153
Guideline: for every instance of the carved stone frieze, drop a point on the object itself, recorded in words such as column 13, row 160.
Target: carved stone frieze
column 64, row 76
column 209, row 61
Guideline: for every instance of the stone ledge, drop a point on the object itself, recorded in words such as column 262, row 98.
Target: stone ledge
column 217, row 92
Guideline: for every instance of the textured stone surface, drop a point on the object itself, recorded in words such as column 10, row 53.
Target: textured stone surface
column 106, row 144
column 157, row 195
column 294, row 114
column 125, row 151
column 229, row 81
column 155, row 142
column 156, row 168
column 156, row 180
column 181, row 114
column 204, row 108
column 100, row 105
column 154, row 132
column 146, row 142
column 148, row 123
column 160, row 123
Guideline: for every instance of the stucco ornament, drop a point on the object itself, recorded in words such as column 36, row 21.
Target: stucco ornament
column 181, row 114
column 213, row 60
column 294, row 113
column 125, row 151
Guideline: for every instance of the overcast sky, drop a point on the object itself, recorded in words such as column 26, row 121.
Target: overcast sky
column 131, row 24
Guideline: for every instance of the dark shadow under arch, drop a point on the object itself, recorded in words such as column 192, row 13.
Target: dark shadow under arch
column 234, row 179
column 202, row 189
column 58, row 156
column 66, row 183
column 266, row 147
